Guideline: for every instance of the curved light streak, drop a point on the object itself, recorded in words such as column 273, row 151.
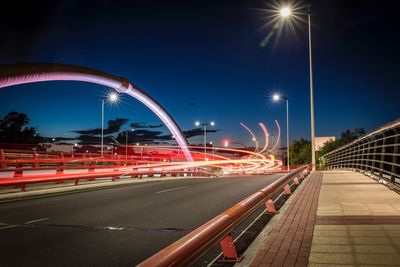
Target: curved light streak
column 265, row 131
column 252, row 135
column 16, row 74
column 279, row 136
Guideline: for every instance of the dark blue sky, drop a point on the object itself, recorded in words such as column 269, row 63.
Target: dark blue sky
column 207, row 53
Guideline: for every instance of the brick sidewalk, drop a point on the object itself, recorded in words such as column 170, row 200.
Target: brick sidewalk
column 289, row 243
column 338, row 218
column 357, row 223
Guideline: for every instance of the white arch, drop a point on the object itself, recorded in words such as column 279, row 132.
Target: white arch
column 15, row 74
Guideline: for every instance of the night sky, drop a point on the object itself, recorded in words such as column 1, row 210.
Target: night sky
column 204, row 60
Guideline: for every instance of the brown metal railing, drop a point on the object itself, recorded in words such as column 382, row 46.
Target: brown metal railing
column 376, row 154
column 191, row 247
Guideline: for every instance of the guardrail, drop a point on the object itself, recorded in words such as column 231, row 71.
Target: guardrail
column 191, row 247
column 22, row 182
column 375, row 154
column 21, row 161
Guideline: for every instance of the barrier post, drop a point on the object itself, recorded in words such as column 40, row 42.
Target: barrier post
column 229, row 250
column 286, row 190
column 270, row 207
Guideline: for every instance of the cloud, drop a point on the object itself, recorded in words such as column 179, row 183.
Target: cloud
column 113, row 127
column 197, row 132
column 142, row 125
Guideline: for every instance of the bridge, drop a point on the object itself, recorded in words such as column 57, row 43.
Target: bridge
column 185, row 205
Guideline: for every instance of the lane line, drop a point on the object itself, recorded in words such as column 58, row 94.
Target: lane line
column 37, row 220
column 167, row 190
column 8, row 226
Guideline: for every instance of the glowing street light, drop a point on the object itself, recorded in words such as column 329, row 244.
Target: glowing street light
column 277, row 98
column 226, row 143
column 212, row 123
column 112, row 97
column 286, row 12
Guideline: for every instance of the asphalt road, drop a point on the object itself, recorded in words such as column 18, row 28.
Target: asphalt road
column 119, row 226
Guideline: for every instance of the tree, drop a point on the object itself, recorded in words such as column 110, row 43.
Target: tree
column 13, row 129
column 300, row 152
column 345, row 138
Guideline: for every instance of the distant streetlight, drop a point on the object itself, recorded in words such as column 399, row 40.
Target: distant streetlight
column 212, row 123
column 286, row 12
column 72, row 150
column 112, row 97
column 277, row 98
column 226, row 143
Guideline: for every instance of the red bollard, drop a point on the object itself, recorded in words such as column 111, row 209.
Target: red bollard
column 271, row 207
column 229, row 250
column 286, row 190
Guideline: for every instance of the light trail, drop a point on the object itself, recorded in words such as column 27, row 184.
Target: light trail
column 223, row 161
column 279, row 137
column 265, row 131
column 252, row 136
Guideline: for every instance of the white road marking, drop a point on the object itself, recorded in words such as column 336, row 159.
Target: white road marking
column 167, row 190
column 37, row 220
column 8, row 226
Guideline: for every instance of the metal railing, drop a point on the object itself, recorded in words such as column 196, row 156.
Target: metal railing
column 376, row 154
column 188, row 249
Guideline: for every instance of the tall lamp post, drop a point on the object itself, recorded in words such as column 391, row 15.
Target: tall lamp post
column 113, row 97
column 197, row 123
column 126, row 142
column 286, row 13
column 276, row 98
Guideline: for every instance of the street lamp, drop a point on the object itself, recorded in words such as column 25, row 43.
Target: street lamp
column 276, row 98
column 286, row 12
column 72, row 150
column 126, row 142
column 212, row 123
column 113, row 97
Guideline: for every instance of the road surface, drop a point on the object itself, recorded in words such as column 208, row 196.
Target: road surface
column 118, row 226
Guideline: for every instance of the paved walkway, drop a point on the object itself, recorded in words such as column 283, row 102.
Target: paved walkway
column 339, row 218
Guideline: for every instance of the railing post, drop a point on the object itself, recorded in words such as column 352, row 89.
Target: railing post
column 394, row 158
column 361, row 156
column 367, row 159
column 61, row 163
column 2, row 157
column 35, row 164
column 373, row 162
column 356, row 156
column 382, row 165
